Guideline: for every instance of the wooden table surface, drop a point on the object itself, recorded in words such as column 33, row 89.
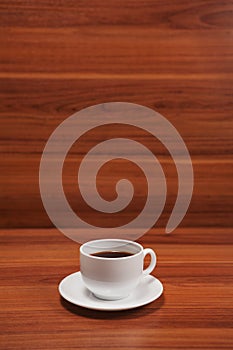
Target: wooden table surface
column 194, row 312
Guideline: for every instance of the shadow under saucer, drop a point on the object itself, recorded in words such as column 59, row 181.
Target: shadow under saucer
column 118, row 314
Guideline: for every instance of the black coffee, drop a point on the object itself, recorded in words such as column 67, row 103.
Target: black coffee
column 112, row 254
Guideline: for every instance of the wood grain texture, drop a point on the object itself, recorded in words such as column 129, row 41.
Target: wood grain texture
column 209, row 14
column 195, row 310
column 120, row 50
column 215, row 198
column 59, row 57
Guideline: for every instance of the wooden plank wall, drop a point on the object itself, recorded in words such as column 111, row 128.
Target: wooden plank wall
column 57, row 57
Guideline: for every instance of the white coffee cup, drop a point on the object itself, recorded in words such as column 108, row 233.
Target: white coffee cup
column 113, row 278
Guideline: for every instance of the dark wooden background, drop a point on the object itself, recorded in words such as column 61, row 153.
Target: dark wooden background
column 58, row 57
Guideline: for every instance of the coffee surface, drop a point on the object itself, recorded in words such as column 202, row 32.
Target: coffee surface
column 112, row 254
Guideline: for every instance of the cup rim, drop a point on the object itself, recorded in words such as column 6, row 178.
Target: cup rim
column 110, row 239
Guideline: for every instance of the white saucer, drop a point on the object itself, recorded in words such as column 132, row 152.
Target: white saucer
column 72, row 289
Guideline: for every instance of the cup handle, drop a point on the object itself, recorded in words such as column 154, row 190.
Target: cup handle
column 151, row 267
